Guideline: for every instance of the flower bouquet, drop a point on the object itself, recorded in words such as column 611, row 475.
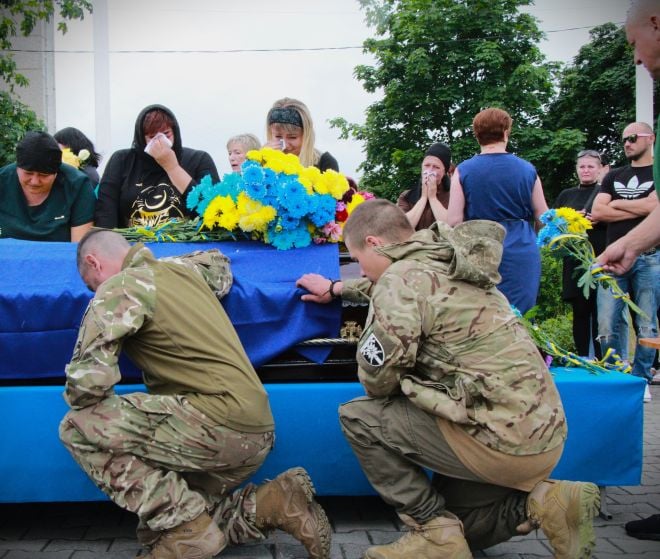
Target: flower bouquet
column 277, row 200
column 609, row 362
column 565, row 233
column 274, row 200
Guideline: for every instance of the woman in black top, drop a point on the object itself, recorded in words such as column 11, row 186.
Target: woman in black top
column 76, row 141
column 150, row 187
column 289, row 128
column 581, row 197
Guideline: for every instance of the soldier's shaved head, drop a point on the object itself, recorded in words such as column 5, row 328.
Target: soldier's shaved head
column 379, row 218
column 102, row 241
column 100, row 255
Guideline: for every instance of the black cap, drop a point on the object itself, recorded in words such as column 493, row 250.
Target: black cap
column 38, row 151
column 442, row 152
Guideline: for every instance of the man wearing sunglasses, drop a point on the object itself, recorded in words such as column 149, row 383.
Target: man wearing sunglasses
column 627, row 196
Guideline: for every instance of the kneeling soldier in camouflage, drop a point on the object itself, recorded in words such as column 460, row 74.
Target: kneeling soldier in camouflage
column 456, row 386
column 174, row 455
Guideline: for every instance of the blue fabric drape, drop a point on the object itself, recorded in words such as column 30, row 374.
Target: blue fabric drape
column 42, row 300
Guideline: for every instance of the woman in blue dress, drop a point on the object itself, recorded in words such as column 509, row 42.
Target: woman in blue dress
column 502, row 187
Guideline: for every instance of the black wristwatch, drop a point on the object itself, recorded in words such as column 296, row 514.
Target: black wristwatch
column 331, row 289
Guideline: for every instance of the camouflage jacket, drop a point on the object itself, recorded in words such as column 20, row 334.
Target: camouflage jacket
column 172, row 326
column 439, row 332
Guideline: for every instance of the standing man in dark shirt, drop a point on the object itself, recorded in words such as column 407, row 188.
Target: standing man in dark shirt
column 627, row 196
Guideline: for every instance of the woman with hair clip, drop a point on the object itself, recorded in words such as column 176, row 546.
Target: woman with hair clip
column 76, row 141
column 289, row 128
column 427, row 201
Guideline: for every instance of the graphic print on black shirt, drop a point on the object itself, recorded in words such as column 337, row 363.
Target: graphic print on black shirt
column 633, row 188
column 627, row 183
column 155, row 205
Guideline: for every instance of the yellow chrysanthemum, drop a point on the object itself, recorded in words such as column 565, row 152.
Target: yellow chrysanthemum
column 229, row 218
column 356, row 200
column 292, row 165
column 253, row 215
column 333, row 183
column 70, row 158
column 255, row 155
column 216, row 210
column 575, row 222
column 309, row 176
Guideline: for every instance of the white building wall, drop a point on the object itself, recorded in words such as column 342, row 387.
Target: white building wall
column 222, row 91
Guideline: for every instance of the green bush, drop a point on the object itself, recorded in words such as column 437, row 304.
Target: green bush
column 549, row 303
column 15, row 120
column 559, row 329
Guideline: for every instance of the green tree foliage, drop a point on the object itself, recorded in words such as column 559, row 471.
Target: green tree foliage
column 15, row 120
column 19, row 17
column 596, row 99
column 438, row 63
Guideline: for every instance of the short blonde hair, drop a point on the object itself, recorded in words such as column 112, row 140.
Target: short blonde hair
column 309, row 155
column 380, row 218
column 248, row 141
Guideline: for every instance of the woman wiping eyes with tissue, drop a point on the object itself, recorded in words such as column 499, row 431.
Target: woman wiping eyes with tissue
column 147, row 184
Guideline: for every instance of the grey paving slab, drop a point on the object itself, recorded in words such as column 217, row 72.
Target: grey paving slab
column 103, row 531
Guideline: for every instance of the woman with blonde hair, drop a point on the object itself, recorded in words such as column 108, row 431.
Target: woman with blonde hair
column 289, row 128
column 237, row 148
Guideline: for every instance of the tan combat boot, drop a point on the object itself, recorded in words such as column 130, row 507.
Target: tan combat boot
column 287, row 503
column 146, row 537
column 564, row 510
column 441, row 536
column 197, row 539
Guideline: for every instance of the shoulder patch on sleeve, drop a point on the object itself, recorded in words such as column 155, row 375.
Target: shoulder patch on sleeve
column 372, row 351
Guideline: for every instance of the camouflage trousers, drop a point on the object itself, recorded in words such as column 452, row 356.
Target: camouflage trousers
column 396, row 443
column 161, row 458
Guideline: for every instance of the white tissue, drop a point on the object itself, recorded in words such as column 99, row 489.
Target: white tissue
column 159, row 136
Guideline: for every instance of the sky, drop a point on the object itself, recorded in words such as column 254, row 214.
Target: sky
column 220, row 65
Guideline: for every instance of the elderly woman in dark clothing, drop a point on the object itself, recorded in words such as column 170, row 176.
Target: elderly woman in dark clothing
column 427, row 201
column 585, row 310
column 148, row 183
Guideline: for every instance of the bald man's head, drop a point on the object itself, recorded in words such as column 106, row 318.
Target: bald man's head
column 100, row 256
column 643, row 33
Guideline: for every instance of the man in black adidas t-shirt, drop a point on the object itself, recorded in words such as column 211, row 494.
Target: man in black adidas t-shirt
column 627, row 196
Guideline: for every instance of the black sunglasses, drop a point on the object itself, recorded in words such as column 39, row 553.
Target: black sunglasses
column 633, row 137
column 589, row 153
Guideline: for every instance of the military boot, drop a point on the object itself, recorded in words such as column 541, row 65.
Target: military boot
column 287, row 503
column 564, row 510
column 197, row 539
column 146, row 537
column 441, row 536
